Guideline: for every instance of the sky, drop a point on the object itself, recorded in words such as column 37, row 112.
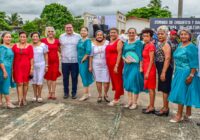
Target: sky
column 30, row 9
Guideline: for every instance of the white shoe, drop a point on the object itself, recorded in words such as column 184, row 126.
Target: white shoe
column 34, row 99
column 40, row 100
column 84, row 97
column 127, row 105
column 113, row 103
column 10, row 106
column 133, row 106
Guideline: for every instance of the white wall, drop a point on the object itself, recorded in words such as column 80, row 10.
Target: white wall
column 138, row 24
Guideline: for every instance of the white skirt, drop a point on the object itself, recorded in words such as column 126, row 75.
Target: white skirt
column 100, row 71
column 38, row 74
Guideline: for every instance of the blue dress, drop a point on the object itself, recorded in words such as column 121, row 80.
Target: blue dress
column 84, row 48
column 185, row 59
column 6, row 58
column 132, row 77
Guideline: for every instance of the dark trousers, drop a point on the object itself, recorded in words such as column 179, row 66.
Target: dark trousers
column 67, row 69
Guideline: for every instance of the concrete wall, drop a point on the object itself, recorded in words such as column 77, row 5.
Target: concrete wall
column 139, row 24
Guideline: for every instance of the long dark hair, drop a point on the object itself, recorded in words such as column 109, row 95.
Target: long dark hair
column 3, row 35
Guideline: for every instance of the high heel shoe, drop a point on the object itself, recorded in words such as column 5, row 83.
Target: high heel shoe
column 148, row 111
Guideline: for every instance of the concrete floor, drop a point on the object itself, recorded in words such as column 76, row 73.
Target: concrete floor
column 73, row 120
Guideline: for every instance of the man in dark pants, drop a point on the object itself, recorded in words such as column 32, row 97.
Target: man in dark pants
column 69, row 41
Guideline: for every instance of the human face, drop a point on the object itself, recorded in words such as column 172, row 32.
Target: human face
column 184, row 36
column 35, row 38
column 99, row 36
column 7, row 38
column 146, row 38
column 69, row 29
column 113, row 34
column 173, row 37
column 131, row 34
column 23, row 38
column 162, row 36
column 84, row 33
column 50, row 33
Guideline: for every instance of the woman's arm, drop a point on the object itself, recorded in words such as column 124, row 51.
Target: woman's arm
column 190, row 77
column 167, row 52
column 151, row 55
column 90, row 63
column 119, row 56
column 46, row 61
column 5, row 74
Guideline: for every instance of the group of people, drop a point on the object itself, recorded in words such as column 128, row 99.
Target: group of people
column 134, row 65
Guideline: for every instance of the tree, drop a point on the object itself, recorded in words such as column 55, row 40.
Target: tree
column 15, row 19
column 155, row 3
column 30, row 27
column 4, row 25
column 56, row 15
column 154, row 10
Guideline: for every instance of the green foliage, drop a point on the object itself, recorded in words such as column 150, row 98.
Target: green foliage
column 154, row 10
column 4, row 25
column 30, row 27
column 78, row 23
column 14, row 19
column 56, row 15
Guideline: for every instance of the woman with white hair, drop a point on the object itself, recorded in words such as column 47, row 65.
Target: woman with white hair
column 164, row 67
column 53, row 61
column 184, row 90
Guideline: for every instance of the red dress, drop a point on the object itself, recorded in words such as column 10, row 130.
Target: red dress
column 150, row 83
column 116, row 78
column 22, row 63
column 53, row 60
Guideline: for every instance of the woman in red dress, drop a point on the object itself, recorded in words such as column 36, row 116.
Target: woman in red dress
column 149, row 69
column 53, row 61
column 22, row 66
column 115, row 65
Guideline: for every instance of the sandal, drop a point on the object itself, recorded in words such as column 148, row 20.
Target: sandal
column 53, row 97
column 175, row 119
column 106, row 99
column 99, row 100
column 113, row 103
column 50, row 96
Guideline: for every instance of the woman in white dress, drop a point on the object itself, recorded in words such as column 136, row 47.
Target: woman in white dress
column 98, row 65
column 40, row 65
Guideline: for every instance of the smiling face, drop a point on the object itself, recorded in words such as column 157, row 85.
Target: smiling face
column 7, row 38
column 84, row 32
column 50, row 33
column 69, row 29
column 162, row 36
column 113, row 34
column 35, row 38
column 185, row 36
column 23, row 38
column 131, row 34
column 99, row 36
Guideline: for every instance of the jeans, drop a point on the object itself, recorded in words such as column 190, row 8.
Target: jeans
column 67, row 69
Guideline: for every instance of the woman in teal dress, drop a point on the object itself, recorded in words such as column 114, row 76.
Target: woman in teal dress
column 132, row 76
column 84, row 49
column 185, row 76
column 6, row 61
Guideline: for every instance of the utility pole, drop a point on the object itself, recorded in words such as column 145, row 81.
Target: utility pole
column 180, row 8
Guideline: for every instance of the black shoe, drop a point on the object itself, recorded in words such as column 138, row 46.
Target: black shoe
column 66, row 97
column 163, row 113
column 198, row 124
column 74, row 97
column 106, row 99
column 146, row 111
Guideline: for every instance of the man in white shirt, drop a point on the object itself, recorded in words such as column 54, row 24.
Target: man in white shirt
column 69, row 41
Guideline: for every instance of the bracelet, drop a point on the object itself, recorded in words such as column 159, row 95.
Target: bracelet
column 191, row 75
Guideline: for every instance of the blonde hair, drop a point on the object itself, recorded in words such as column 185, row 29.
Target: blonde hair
column 163, row 28
column 49, row 28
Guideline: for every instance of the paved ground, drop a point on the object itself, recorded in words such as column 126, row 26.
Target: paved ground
column 73, row 120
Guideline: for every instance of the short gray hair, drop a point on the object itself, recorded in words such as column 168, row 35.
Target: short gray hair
column 163, row 28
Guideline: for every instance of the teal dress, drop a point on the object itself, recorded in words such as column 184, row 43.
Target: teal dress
column 6, row 58
column 132, row 77
column 84, row 48
column 185, row 59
